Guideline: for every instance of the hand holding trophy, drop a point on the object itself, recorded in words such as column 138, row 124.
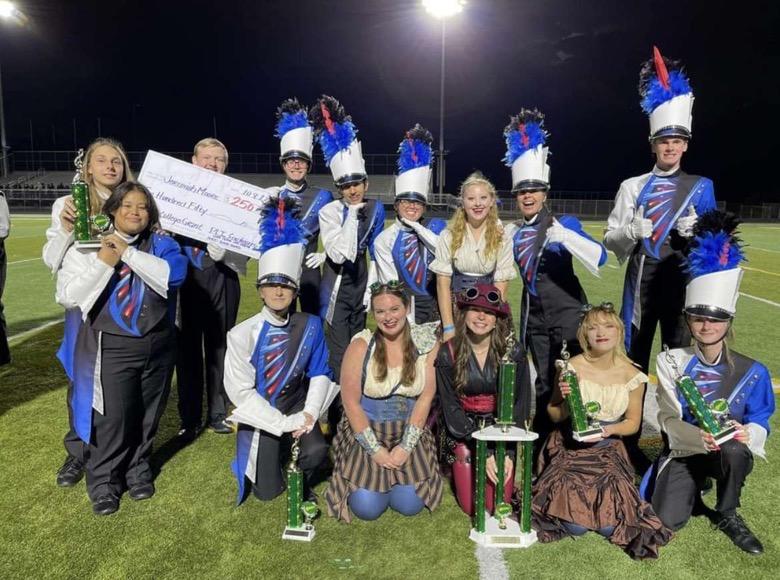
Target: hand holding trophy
column 86, row 227
column 584, row 426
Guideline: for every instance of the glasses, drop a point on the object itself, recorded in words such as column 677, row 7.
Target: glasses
column 604, row 307
column 392, row 285
column 296, row 162
column 410, row 203
column 471, row 294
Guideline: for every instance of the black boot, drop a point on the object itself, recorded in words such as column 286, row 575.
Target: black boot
column 736, row 529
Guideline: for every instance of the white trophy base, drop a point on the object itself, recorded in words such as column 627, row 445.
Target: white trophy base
column 496, row 433
column 298, row 534
column 495, row 537
column 588, row 435
column 728, row 433
column 87, row 245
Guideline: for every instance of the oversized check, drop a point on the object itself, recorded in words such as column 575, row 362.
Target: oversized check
column 203, row 204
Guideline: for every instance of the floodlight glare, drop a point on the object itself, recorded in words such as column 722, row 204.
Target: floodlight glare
column 7, row 9
column 443, row 8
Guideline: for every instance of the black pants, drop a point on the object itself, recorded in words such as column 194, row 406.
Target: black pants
column 74, row 446
column 679, row 484
column 209, row 307
column 309, row 291
column 135, row 373
column 662, row 297
column 274, row 453
column 5, row 352
column 349, row 318
column 545, row 347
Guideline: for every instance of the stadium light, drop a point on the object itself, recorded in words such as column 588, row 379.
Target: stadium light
column 8, row 11
column 442, row 9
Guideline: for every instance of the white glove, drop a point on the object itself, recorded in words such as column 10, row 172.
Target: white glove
column 686, row 223
column 557, row 234
column 640, row 227
column 372, row 277
column 315, row 259
column 353, row 209
column 216, row 252
column 416, row 226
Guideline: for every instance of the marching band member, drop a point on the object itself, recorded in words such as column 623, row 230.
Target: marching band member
column 543, row 246
column 276, row 367
column 349, row 227
column 693, row 454
column 105, row 167
column 653, row 214
column 472, row 250
column 209, row 307
column 124, row 351
column 295, row 135
column 407, row 247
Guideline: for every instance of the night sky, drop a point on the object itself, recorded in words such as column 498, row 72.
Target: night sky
column 157, row 72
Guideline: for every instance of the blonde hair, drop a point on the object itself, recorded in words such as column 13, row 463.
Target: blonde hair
column 608, row 315
column 457, row 225
column 210, row 142
column 95, row 201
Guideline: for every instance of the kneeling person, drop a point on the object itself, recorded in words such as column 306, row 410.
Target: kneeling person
column 277, row 375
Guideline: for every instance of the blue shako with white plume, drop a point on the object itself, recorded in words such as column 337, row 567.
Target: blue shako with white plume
column 282, row 243
column 294, row 131
column 713, row 257
column 415, row 160
column 666, row 97
column 526, row 151
column 337, row 136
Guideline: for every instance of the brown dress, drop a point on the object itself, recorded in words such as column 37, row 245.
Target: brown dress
column 592, row 485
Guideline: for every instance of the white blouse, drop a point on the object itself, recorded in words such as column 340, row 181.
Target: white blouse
column 471, row 259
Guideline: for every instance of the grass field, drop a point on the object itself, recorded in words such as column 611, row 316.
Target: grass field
column 192, row 529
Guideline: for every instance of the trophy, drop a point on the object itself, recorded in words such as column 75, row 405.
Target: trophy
column 584, row 425
column 712, row 418
column 499, row 530
column 86, row 227
column 299, row 513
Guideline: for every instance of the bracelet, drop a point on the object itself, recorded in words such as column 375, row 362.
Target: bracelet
column 368, row 441
column 411, row 437
column 448, row 328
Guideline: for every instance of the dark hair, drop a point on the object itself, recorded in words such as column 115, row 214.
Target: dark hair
column 409, row 371
column 114, row 201
column 462, row 347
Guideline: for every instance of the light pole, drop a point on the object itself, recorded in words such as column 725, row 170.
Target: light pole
column 7, row 12
column 442, row 9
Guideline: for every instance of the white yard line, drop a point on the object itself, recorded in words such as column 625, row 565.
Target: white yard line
column 763, row 249
column 492, row 565
column 23, row 261
column 612, row 266
column 27, row 333
column 764, row 300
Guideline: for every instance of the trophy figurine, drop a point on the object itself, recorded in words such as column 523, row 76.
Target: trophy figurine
column 499, row 529
column 87, row 227
column 584, row 425
column 299, row 513
column 712, row 418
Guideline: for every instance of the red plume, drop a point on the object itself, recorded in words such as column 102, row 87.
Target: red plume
column 660, row 68
column 523, row 135
column 280, row 218
column 326, row 116
column 411, row 145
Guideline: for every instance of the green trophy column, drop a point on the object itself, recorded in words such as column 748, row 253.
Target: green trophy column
column 579, row 418
column 80, row 193
column 525, row 519
column 479, row 504
column 294, row 490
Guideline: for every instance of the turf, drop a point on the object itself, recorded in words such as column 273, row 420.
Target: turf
column 192, row 529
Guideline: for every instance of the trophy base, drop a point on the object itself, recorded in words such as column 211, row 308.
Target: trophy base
column 727, row 433
column 509, row 537
column 87, row 245
column 588, row 435
column 298, row 534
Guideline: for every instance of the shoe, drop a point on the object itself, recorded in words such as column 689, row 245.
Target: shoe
column 189, row 433
column 222, row 427
column 105, row 505
column 738, row 532
column 71, row 472
column 141, row 491
column 706, row 486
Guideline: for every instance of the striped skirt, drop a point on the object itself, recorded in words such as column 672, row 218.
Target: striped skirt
column 353, row 468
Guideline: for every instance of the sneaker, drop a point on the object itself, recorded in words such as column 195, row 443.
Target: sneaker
column 222, row 427
column 71, row 472
column 738, row 532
